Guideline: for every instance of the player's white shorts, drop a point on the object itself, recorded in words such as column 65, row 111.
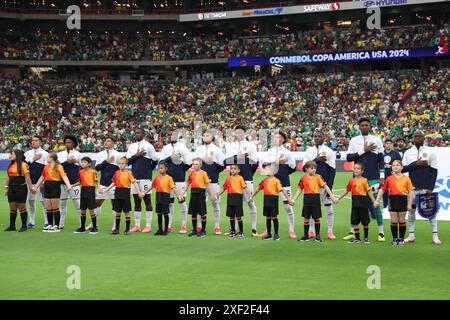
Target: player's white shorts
column 215, row 189
column 73, row 194
column 37, row 196
column 144, row 185
column 288, row 191
column 108, row 195
column 249, row 189
column 180, row 187
column 324, row 197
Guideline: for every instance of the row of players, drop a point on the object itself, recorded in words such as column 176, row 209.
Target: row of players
column 366, row 149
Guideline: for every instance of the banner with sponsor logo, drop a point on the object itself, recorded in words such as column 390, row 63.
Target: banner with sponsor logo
column 341, row 56
column 300, row 9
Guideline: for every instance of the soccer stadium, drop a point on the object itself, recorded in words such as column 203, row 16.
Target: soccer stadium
column 224, row 149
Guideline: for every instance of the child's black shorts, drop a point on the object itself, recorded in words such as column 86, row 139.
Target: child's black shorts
column 121, row 205
column 235, row 211
column 398, row 203
column 52, row 189
column 162, row 202
column 314, row 212
column 197, row 204
column 360, row 215
column 17, row 190
column 87, row 203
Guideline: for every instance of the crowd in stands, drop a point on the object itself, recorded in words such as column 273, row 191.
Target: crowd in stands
column 397, row 103
column 142, row 46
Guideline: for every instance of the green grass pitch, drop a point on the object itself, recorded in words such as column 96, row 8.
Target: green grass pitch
column 34, row 264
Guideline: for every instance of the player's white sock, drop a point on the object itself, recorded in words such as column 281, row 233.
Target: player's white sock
column 434, row 225
column 63, row 211
column 44, row 212
column 312, row 225
column 290, row 216
column 330, row 217
column 32, row 210
column 149, row 216
column 183, row 210
column 98, row 211
column 216, row 215
column 137, row 219
column 412, row 220
column 171, row 208
column 380, row 229
column 251, row 205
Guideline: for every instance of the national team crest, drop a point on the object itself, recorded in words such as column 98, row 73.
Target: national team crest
column 427, row 205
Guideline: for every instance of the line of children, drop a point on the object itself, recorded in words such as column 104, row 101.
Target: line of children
column 398, row 186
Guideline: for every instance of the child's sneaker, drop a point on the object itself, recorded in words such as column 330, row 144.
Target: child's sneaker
column 10, row 228
column 330, row 235
column 292, row 235
column 93, row 230
column 80, row 230
column 411, row 238
column 55, row 228
column 115, row 231
column 23, row 229
column 127, row 232
column 159, row 233
column 147, row 229
column 183, row 230
column 218, row 231
column 303, row 239
column 348, row 237
column 262, row 235
column 318, row 238
column 46, row 226
column 231, row 234
column 240, row 235
column 193, row 233
column 228, row 232
column 400, row 242
column 267, row 237
column 201, row 234
column 135, row 229
column 276, row 237
column 354, row 241
column 394, row 242
column 436, row 240
column 366, row 241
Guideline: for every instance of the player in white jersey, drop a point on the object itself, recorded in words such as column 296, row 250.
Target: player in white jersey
column 37, row 159
column 325, row 159
column 179, row 160
column 213, row 163
column 143, row 159
column 70, row 159
column 244, row 154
